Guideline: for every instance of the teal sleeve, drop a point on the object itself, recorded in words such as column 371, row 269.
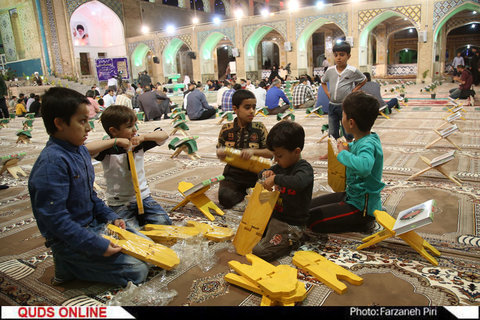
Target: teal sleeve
column 360, row 163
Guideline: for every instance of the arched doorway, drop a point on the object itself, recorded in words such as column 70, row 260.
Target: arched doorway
column 315, row 44
column 215, row 55
column 97, row 32
column 142, row 60
column 177, row 59
column 382, row 45
column 255, row 56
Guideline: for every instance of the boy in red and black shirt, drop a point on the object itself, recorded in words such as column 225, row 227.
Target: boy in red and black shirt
column 293, row 177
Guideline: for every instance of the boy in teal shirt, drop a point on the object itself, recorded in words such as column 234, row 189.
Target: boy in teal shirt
column 353, row 209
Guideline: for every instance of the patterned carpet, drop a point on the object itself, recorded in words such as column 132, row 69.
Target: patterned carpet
column 394, row 274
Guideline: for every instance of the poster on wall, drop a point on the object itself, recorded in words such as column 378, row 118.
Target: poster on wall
column 110, row 67
column 79, row 33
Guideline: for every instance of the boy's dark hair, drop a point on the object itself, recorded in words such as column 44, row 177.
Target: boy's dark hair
column 286, row 134
column 262, row 84
column 240, row 95
column 342, row 47
column 115, row 116
column 60, row 103
column 361, row 107
column 101, row 102
column 80, row 27
column 368, row 76
column 90, row 94
column 237, row 86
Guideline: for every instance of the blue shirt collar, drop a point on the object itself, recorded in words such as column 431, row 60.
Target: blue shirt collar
column 64, row 144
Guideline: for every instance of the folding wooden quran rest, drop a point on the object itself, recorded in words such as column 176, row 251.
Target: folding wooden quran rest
column 196, row 195
column 255, row 219
column 336, row 170
column 278, row 285
column 227, row 115
column 187, row 144
column 142, row 248
column 444, row 134
column 315, row 111
column 263, row 111
column 182, row 126
column 10, row 164
column 326, row 271
column 410, row 237
column 438, row 167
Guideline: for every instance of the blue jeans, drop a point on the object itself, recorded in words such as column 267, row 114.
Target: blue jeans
column 334, row 121
column 153, row 213
column 117, row 269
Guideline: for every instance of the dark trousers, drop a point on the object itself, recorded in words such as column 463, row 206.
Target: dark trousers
column 230, row 193
column 3, row 108
column 206, row 114
column 278, row 109
column 334, row 122
column 331, row 214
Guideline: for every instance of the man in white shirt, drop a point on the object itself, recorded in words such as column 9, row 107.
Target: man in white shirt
column 249, row 85
column 109, row 98
column 260, row 94
column 112, row 83
column 457, row 61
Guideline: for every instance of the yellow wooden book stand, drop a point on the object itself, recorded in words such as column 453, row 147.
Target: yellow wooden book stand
column 255, row 164
column 336, row 170
column 439, row 168
column 277, row 284
column 199, row 199
column 326, row 271
column 143, row 249
column 411, row 237
column 171, row 234
column 214, row 233
column 255, row 219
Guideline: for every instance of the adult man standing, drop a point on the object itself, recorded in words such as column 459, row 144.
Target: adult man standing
column 274, row 94
column 303, row 96
column 148, row 103
column 457, row 61
column 3, row 98
column 197, row 105
column 463, row 91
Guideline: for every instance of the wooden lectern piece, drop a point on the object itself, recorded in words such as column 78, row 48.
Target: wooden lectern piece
column 411, row 237
column 182, row 126
column 227, row 115
column 255, row 219
column 198, row 197
column 326, row 271
column 336, row 170
column 255, row 164
column 286, row 116
column 24, row 136
column 136, row 187
column 277, row 284
column 142, row 248
column 10, row 164
column 263, row 111
column 315, row 111
column 187, row 144
column 444, row 134
column 169, row 235
column 438, row 167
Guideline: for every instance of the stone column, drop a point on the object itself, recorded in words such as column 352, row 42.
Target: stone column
column 381, row 63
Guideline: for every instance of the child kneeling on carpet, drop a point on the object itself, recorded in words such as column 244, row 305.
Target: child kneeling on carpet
column 68, row 212
column 119, row 122
column 353, row 209
column 250, row 137
column 293, row 177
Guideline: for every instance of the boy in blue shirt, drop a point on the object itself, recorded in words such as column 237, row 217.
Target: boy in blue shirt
column 293, row 177
column 353, row 209
column 68, row 212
